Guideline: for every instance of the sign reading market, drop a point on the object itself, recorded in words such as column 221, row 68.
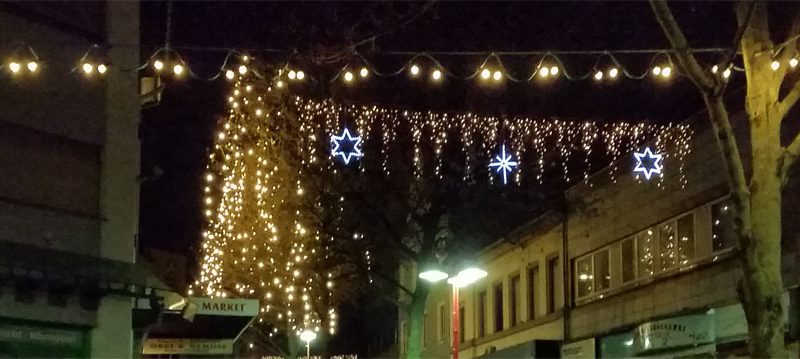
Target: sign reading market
column 226, row 307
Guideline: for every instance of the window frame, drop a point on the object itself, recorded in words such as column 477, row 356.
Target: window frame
column 514, row 301
column 532, row 281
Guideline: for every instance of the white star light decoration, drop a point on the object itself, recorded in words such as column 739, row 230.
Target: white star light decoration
column 352, row 148
column 648, row 163
column 504, row 164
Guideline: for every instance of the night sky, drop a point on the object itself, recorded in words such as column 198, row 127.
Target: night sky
column 176, row 133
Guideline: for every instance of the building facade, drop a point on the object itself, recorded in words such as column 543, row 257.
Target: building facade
column 648, row 269
column 69, row 151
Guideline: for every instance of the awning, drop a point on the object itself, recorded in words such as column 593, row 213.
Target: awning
column 37, row 263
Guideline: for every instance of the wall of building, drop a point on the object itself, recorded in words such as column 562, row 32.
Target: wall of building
column 70, row 152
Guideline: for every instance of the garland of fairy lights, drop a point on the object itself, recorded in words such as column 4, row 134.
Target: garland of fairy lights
column 541, row 139
column 545, row 65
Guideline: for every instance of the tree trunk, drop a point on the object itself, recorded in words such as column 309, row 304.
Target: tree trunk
column 416, row 314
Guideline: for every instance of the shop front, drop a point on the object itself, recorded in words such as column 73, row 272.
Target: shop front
column 717, row 332
column 195, row 327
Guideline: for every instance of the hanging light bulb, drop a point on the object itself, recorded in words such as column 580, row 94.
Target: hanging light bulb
column 714, row 69
column 414, row 70
column 793, row 62
column 554, row 70
column 242, row 69
column 177, row 69
column 301, row 75
column 613, row 72
column 348, row 76
column 544, row 72
column 158, row 65
column 775, row 65
column 102, row 68
column 229, row 74
column 666, row 71
column 598, row 75
column 726, row 73
column 436, row 75
column 14, row 67
column 87, row 68
column 292, row 75
column 497, row 75
column 279, row 84
column 32, row 66
column 364, row 72
column 485, row 74
column 657, row 70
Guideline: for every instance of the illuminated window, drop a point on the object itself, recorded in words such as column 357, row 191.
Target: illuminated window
column 723, row 234
column 646, row 252
column 585, row 283
column 628, row 249
column 686, row 250
column 602, row 276
column 667, row 246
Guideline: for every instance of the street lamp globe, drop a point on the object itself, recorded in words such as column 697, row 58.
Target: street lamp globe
column 308, row 336
column 433, row 275
column 466, row 277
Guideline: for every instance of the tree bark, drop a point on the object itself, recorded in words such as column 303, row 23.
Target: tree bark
column 416, row 314
column 757, row 206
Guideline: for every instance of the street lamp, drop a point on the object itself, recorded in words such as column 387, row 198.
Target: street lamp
column 308, row 336
column 464, row 278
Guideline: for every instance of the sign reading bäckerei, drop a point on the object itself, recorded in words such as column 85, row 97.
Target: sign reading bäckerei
column 188, row 346
column 226, row 307
column 675, row 332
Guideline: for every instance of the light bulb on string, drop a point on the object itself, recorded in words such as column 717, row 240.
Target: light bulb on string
column 102, row 68
column 14, row 67
column 363, row 72
column 485, row 74
column 666, row 71
column 87, row 68
column 598, row 75
column 348, row 76
column 301, row 75
column 656, row 70
column 414, row 70
column 229, row 74
column 497, row 76
column 158, row 65
column 292, row 75
column 242, row 69
column 613, row 72
column 544, row 72
column 32, row 66
column 714, row 69
column 436, row 75
column 775, row 65
column 554, row 70
column 177, row 69
column 793, row 62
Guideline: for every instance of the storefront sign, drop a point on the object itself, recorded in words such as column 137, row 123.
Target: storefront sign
column 41, row 336
column 581, row 349
column 226, row 307
column 188, row 346
column 675, row 332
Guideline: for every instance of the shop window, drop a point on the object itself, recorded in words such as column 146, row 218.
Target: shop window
column 513, row 298
column 667, row 246
column 723, row 234
column 646, row 252
column 481, row 314
column 686, row 250
column 552, row 274
column 583, row 268
column 498, row 307
column 533, row 285
column 628, row 254
column 602, row 276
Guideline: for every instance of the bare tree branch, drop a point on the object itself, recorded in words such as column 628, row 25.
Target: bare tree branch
column 790, row 155
column 789, row 100
column 675, row 35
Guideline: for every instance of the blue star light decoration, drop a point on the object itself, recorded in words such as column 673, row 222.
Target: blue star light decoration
column 504, row 164
column 648, row 163
column 346, row 146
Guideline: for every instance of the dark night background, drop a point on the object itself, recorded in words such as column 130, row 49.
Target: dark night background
column 176, row 133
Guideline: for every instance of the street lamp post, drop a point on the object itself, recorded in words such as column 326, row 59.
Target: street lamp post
column 308, row 336
column 460, row 280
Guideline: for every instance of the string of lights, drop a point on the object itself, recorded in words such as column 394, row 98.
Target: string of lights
column 545, row 65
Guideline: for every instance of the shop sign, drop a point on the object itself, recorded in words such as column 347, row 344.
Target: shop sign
column 580, row 349
column 675, row 332
column 41, row 336
column 188, row 346
column 226, row 307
